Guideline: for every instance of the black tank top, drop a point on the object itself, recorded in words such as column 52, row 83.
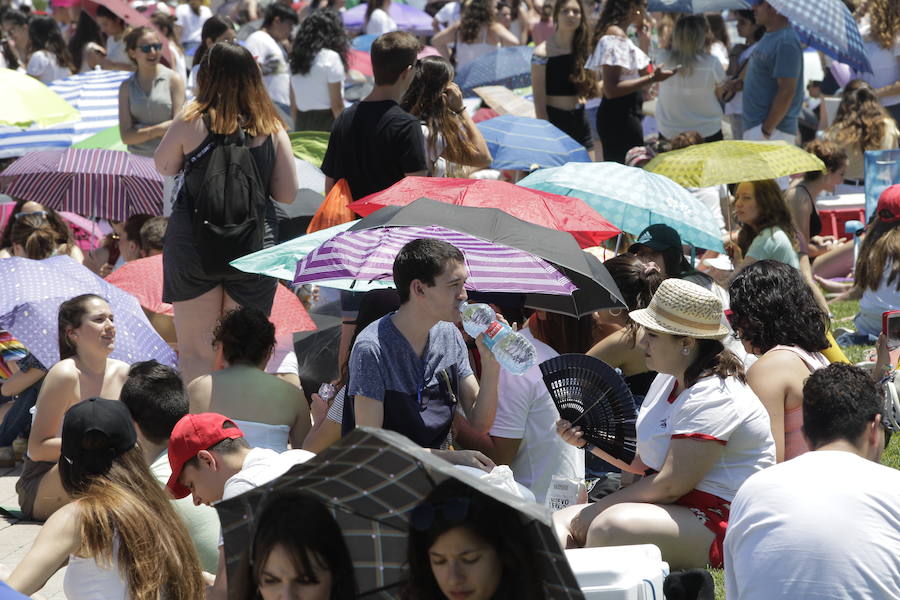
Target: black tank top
column 559, row 69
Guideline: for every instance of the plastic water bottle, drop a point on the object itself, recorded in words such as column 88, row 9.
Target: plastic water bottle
column 514, row 353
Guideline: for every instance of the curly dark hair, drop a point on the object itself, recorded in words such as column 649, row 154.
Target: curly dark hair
column 772, row 306
column 321, row 29
column 247, row 336
column 475, row 15
column 839, row 401
column 584, row 79
column 613, row 12
column 44, row 34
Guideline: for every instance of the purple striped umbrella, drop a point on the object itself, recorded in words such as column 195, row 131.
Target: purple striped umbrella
column 369, row 255
column 108, row 184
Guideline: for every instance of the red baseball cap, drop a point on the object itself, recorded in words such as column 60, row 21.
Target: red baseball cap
column 889, row 204
column 191, row 434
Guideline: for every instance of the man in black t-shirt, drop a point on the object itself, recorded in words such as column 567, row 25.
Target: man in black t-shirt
column 376, row 143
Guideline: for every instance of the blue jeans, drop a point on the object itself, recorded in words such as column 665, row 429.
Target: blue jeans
column 18, row 418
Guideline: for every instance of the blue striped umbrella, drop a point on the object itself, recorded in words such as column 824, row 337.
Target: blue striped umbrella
column 695, row 6
column 826, row 25
column 523, row 143
column 631, row 199
column 96, row 96
column 510, row 67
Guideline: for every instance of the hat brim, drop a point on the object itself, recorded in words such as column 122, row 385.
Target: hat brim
column 177, row 490
column 645, row 318
column 652, row 244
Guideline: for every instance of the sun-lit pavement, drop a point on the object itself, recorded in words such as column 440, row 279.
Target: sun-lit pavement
column 16, row 537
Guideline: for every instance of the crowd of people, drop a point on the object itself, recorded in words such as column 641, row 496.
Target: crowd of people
column 752, row 431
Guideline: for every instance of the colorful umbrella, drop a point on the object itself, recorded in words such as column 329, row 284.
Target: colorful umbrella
column 632, row 199
column 541, row 208
column 369, row 255
column 826, row 25
column 596, row 288
column 108, row 139
column 143, row 278
column 94, row 183
column 524, row 144
column 364, row 42
column 360, row 61
column 32, row 291
column 372, row 479
column 408, row 18
column 280, row 261
column 27, row 101
column 696, row 6
column 95, row 94
column 732, row 161
column 310, row 145
column 510, row 67
column 132, row 16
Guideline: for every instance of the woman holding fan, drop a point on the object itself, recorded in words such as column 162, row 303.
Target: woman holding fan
column 701, row 432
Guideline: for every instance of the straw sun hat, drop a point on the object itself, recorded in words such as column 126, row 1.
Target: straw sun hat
column 682, row 308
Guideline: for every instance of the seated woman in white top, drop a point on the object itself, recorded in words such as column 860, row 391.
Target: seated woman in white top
column 114, row 28
column 689, row 101
column 269, row 411
column 477, row 33
column 120, row 534
column 701, row 432
column 318, row 66
column 378, row 20
column 50, row 58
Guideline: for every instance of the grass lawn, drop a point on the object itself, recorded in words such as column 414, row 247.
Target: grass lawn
column 843, row 314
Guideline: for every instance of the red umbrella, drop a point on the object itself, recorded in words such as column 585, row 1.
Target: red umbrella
column 143, row 278
column 542, row 208
column 483, row 114
column 358, row 60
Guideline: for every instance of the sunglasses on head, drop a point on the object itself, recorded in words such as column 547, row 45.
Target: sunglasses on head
column 453, row 511
column 147, row 48
column 41, row 213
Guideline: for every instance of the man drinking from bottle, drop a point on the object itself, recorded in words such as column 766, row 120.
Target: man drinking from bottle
column 410, row 369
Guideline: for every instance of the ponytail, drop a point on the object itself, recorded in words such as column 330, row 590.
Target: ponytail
column 35, row 234
column 713, row 359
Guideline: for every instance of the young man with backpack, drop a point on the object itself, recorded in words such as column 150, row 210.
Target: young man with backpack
column 376, row 143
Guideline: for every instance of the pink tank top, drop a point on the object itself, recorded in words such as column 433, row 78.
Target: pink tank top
column 794, row 442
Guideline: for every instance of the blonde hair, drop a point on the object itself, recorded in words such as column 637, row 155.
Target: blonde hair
column 688, row 42
column 232, row 94
column 156, row 556
column 884, row 19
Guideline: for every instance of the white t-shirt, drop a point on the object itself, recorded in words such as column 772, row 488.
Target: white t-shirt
column 875, row 302
column 449, row 14
column 885, row 62
column 526, row 412
column 191, row 24
column 722, row 411
column 311, row 90
column 272, row 59
column 43, row 66
column 380, row 22
column 687, row 100
column 823, row 525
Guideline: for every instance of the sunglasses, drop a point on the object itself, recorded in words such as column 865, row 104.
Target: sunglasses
column 41, row 213
column 452, row 511
column 147, row 48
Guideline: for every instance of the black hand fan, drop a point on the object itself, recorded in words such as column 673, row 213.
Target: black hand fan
column 591, row 394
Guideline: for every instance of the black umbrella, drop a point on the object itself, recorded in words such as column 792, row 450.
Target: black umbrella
column 596, row 287
column 294, row 218
column 372, row 479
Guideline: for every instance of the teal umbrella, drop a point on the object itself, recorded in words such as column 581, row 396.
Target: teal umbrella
column 631, row 199
column 281, row 261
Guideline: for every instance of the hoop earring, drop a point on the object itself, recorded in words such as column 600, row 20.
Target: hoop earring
column 685, row 351
column 615, row 312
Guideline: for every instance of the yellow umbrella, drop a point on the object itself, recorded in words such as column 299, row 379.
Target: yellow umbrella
column 27, row 101
column 732, row 161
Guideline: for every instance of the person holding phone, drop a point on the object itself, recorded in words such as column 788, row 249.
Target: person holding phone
column 626, row 72
column 690, row 101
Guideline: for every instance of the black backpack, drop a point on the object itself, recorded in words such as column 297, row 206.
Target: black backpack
column 229, row 211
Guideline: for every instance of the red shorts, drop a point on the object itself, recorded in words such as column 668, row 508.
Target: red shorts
column 712, row 512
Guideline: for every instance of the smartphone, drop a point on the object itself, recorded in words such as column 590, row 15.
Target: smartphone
column 890, row 325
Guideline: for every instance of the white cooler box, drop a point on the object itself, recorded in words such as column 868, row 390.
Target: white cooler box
column 619, row 572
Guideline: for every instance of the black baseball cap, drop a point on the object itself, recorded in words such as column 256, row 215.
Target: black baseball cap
column 108, row 417
column 657, row 237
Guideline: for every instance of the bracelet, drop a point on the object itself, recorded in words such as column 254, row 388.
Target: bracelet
column 587, row 447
